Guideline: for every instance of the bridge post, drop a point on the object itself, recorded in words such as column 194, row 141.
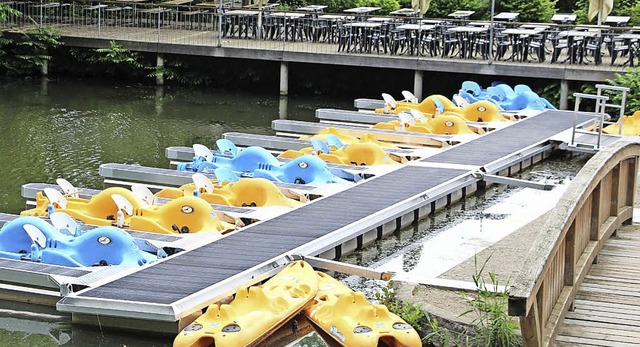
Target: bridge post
column 564, row 94
column 284, row 78
column 283, row 105
column 159, row 73
column 417, row 84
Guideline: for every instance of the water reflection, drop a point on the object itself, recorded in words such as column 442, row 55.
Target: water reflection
column 68, row 129
column 54, row 129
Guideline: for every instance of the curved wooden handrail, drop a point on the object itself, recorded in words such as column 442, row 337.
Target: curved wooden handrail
column 597, row 202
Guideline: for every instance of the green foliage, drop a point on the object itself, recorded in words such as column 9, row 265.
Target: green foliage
column 629, row 8
column 32, row 51
column 116, row 54
column 337, row 6
column 410, row 312
column 631, row 80
column 6, row 12
column 442, row 8
column 530, row 10
column 494, row 327
column 414, row 316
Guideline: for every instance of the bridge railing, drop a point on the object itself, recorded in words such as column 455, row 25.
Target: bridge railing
column 598, row 201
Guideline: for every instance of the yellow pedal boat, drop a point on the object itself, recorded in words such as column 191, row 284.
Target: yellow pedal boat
column 445, row 124
column 479, row 111
column 353, row 321
column 255, row 312
column 346, row 138
column 366, row 153
column 187, row 214
column 257, row 192
column 630, row 126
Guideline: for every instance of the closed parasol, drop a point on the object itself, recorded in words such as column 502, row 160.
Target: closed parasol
column 601, row 8
column 420, row 5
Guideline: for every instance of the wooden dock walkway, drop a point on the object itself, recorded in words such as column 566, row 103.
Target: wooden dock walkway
column 608, row 302
column 172, row 289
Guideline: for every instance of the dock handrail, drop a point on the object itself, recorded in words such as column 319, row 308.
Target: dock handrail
column 598, row 201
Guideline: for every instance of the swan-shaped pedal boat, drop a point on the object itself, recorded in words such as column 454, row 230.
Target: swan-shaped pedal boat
column 34, row 239
column 352, row 321
column 258, row 162
column 255, row 312
column 121, row 207
column 335, row 151
column 520, row 97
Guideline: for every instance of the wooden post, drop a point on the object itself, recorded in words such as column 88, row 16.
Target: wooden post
column 569, row 255
column 615, row 191
column 631, row 181
column 595, row 213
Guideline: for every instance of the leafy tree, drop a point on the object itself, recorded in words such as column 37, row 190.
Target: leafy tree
column 6, row 12
column 337, row 6
column 442, row 8
column 530, row 10
column 29, row 54
column 631, row 80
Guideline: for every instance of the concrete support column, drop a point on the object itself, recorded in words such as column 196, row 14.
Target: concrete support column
column 284, row 78
column 564, row 94
column 44, row 69
column 283, row 106
column 159, row 65
column 417, row 84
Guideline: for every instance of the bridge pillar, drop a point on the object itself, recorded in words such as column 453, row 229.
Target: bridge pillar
column 284, row 78
column 159, row 65
column 417, row 84
column 283, row 106
column 564, row 94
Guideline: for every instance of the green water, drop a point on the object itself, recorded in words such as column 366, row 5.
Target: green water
column 67, row 129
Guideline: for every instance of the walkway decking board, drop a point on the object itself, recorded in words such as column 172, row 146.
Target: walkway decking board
column 507, row 141
column 608, row 301
column 271, row 238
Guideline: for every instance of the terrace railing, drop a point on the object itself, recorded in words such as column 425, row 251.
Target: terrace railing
column 218, row 25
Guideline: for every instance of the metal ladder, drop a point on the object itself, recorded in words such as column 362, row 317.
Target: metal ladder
column 599, row 119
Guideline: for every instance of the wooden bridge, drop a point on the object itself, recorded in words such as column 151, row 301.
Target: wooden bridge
column 579, row 285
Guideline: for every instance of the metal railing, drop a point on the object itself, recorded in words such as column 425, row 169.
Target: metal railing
column 268, row 29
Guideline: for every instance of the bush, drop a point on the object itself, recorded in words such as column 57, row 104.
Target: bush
column 530, row 10
column 631, row 80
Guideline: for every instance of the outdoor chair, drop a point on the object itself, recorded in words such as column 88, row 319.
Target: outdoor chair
column 537, row 47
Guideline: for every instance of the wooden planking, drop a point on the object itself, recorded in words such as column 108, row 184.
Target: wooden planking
column 583, row 221
column 608, row 301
